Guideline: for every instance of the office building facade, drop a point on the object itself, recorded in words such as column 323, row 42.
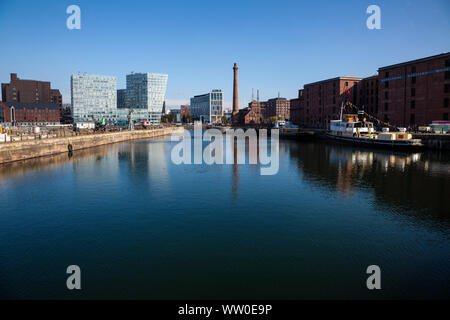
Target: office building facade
column 94, row 98
column 144, row 94
column 208, row 107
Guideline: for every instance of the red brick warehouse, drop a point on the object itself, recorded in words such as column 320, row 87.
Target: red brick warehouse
column 29, row 113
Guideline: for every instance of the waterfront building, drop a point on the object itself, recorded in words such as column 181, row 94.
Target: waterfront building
column 415, row 93
column 144, row 93
column 368, row 95
column 277, row 107
column 247, row 116
column 22, row 113
column 208, row 107
column 94, row 97
column 251, row 115
column 296, row 109
column 30, row 91
column 408, row 94
column 319, row 102
column 185, row 112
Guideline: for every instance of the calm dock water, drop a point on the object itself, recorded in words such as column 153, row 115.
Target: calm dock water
column 141, row 227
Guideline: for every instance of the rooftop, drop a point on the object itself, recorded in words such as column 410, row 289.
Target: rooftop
column 334, row 79
column 442, row 55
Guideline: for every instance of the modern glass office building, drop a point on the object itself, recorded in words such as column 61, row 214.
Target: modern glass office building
column 122, row 99
column 145, row 94
column 94, row 97
column 208, row 107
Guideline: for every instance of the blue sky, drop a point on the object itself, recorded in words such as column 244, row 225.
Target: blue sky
column 279, row 45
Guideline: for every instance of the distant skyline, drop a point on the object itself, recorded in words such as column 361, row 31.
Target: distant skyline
column 279, row 45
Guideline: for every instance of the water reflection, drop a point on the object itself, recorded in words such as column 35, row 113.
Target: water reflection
column 415, row 183
column 138, row 157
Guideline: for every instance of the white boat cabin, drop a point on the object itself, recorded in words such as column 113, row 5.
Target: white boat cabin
column 351, row 125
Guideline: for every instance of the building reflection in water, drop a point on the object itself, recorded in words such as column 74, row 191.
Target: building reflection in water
column 412, row 182
column 19, row 168
column 143, row 159
column 235, row 180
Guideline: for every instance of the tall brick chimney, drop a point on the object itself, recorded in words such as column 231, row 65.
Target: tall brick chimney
column 235, row 93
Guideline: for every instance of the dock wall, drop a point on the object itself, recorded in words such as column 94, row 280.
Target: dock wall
column 434, row 141
column 21, row 150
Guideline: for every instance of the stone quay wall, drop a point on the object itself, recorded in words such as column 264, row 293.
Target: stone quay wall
column 21, row 150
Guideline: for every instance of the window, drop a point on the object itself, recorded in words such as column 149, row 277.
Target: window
column 446, row 103
column 412, row 118
column 413, row 92
column 346, row 84
column 445, row 116
column 447, row 63
column 413, row 80
column 386, row 95
column 413, row 69
column 386, row 75
column 386, row 84
column 386, row 106
column 447, row 88
column 413, row 104
column 447, row 75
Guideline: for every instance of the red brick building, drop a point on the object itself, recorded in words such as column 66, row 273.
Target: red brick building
column 321, row 101
column 185, row 112
column 368, row 95
column 412, row 93
column 277, row 107
column 250, row 116
column 30, row 91
column 416, row 92
column 29, row 113
column 297, row 109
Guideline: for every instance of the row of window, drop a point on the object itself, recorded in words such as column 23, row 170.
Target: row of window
column 414, row 70
column 413, row 91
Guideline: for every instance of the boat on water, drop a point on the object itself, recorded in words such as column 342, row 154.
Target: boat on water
column 291, row 131
column 354, row 128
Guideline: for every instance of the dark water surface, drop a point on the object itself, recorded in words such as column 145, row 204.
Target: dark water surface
column 142, row 227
